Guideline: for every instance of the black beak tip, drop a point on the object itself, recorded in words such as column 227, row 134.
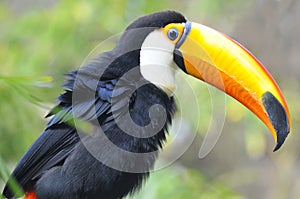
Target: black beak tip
column 279, row 142
column 278, row 145
column 281, row 136
column 278, row 117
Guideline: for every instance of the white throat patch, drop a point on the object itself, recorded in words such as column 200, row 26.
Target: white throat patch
column 156, row 61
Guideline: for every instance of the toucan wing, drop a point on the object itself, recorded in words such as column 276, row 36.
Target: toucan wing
column 60, row 136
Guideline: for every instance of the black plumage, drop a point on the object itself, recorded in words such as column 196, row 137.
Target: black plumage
column 62, row 162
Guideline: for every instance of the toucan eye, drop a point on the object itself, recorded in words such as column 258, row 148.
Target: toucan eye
column 173, row 34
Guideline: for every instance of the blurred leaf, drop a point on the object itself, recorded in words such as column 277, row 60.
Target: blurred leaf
column 24, row 86
column 178, row 183
column 4, row 175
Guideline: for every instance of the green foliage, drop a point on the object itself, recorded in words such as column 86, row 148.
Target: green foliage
column 178, row 183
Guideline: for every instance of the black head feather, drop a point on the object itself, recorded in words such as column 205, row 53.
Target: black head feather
column 137, row 31
column 157, row 20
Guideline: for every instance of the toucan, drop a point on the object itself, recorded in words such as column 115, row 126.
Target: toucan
column 112, row 119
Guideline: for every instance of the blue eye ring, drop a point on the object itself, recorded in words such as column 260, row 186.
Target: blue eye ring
column 173, row 34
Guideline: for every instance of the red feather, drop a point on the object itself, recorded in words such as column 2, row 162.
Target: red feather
column 30, row 195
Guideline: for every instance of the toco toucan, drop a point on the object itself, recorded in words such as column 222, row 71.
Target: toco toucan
column 126, row 95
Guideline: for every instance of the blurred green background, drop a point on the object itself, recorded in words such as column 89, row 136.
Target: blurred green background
column 41, row 40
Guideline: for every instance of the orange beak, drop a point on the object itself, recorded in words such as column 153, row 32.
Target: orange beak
column 224, row 63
